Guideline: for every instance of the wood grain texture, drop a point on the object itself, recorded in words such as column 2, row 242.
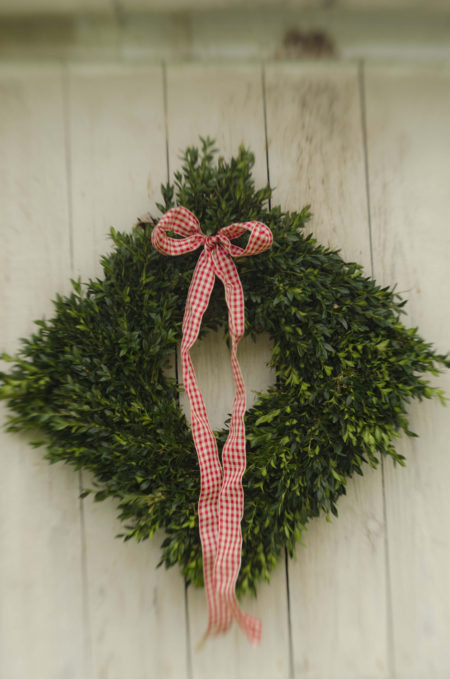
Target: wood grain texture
column 117, row 152
column 274, row 32
column 337, row 580
column 408, row 109
column 41, row 588
column 117, row 160
column 83, row 147
column 226, row 103
column 45, row 8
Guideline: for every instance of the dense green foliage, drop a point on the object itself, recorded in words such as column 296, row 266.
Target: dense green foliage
column 93, row 379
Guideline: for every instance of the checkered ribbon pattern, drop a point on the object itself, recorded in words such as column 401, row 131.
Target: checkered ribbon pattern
column 221, row 501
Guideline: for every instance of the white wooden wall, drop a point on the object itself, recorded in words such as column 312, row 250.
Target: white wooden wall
column 46, row 7
column 83, row 147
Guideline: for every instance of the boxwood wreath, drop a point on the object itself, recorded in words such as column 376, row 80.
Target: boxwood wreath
column 94, row 380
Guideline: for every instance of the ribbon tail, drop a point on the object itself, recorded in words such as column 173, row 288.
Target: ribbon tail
column 231, row 497
column 231, row 509
column 204, row 440
column 250, row 624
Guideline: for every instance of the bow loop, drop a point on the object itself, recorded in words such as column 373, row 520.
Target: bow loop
column 260, row 239
column 183, row 222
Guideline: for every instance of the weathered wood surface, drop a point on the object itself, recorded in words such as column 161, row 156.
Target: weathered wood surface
column 408, row 141
column 83, row 147
column 234, row 114
column 316, row 156
column 117, row 148
column 41, row 539
column 45, row 7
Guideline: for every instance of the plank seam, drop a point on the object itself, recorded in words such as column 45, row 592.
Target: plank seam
column 289, row 617
column 166, row 116
column 387, row 561
column 263, row 84
column 189, row 667
column 68, row 158
column 286, row 556
column 86, row 632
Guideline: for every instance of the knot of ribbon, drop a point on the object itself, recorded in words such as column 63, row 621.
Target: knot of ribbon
column 221, row 501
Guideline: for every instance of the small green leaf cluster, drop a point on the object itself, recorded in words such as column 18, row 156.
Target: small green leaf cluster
column 93, row 382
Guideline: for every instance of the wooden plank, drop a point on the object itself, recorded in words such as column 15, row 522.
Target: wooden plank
column 118, row 160
column 408, row 109
column 58, row 7
column 337, row 581
column 173, row 6
column 363, row 6
column 272, row 32
column 31, row 8
column 226, row 103
column 41, row 588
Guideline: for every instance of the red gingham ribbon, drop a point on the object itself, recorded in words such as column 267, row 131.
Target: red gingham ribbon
column 221, row 501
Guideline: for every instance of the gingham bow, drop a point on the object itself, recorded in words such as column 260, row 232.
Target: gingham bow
column 221, row 501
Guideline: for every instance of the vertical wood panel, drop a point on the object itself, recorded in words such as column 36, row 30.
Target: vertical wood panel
column 118, row 160
column 54, row 558
column 408, row 113
column 31, row 8
column 226, row 103
column 337, row 580
column 41, row 589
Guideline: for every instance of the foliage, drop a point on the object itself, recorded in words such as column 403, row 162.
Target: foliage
column 94, row 379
